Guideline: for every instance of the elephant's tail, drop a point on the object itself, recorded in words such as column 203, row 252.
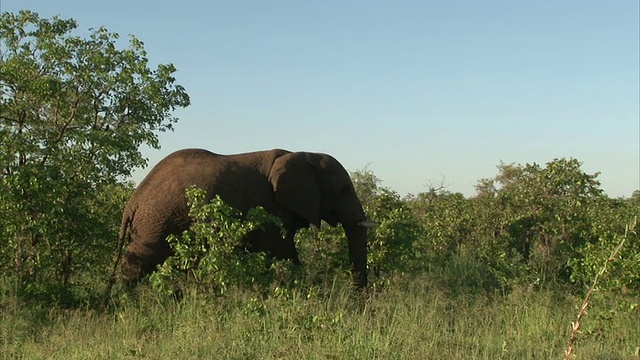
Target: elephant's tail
column 127, row 217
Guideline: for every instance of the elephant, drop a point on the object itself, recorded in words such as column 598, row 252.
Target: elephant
column 301, row 188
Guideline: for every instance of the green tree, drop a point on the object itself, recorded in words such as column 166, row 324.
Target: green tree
column 73, row 114
column 544, row 215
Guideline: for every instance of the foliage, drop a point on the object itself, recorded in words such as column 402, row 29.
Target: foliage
column 622, row 277
column 448, row 220
column 73, row 113
column 210, row 256
column 550, row 211
column 393, row 244
column 454, row 244
column 530, row 225
column 323, row 252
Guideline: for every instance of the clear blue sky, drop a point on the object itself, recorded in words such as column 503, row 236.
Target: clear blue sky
column 417, row 91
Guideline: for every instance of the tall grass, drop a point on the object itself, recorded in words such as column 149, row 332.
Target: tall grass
column 412, row 319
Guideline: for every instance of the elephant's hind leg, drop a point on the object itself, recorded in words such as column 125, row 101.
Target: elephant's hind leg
column 140, row 261
column 135, row 267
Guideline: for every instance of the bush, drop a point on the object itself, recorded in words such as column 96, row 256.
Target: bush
column 210, row 256
column 529, row 225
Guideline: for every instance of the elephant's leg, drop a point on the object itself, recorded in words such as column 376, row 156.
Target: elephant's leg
column 290, row 246
column 142, row 259
column 135, row 267
column 270, row 241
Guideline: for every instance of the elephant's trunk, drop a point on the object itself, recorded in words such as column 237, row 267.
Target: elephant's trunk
column 357, row 238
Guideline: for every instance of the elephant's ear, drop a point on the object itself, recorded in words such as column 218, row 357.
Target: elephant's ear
column 295, row 186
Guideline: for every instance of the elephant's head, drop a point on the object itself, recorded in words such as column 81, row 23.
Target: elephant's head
column 316, row 187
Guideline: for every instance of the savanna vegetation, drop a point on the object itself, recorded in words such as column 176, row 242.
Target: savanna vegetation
column 505, row 274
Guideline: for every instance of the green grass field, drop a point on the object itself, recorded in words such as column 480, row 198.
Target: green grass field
column 410, row 320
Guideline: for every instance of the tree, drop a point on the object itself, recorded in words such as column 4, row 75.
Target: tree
column 73, row 114
column 545, row 214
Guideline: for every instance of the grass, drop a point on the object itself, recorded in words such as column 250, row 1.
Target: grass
column 410, row 320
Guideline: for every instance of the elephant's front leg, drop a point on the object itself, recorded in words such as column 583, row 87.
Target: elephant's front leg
column 290, row 247
column 283, row 248
column 270, row 241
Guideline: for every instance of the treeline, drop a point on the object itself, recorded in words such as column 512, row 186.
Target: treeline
column 535, row 225
column 75, row 111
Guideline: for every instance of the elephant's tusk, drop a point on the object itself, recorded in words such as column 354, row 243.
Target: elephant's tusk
column 367, row 224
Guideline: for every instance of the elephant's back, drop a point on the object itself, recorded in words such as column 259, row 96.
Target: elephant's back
column 164, row 187
column 177, row 169
column 241, row 180
column 186, row 156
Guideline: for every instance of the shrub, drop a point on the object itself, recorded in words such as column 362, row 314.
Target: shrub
column 210, row 255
